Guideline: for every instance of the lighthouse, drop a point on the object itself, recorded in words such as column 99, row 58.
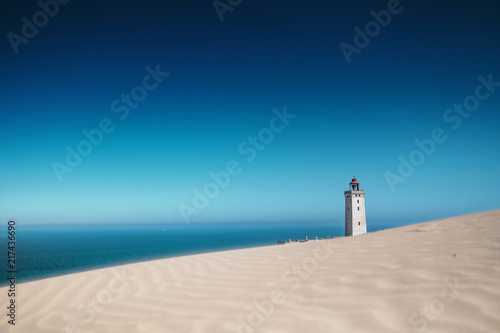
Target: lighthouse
column 355, row 216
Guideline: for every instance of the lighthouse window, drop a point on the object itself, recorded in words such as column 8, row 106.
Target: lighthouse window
column 358, row 201
column 359, row 223
column 358, row 208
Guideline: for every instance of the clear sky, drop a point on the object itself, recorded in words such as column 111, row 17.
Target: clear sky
column 103, row 65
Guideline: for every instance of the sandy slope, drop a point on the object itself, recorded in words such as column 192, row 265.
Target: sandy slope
column 441, row 276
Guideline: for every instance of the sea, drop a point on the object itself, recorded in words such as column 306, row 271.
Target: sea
column 43, row 251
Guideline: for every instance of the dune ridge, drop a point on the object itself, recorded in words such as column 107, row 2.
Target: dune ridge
column 440, row 276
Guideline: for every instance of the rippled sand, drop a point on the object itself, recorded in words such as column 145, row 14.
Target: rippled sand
column 441, row 276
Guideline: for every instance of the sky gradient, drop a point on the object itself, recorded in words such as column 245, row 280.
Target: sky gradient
column 224, row 80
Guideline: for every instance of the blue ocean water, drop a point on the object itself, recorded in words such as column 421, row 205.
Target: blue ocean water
column 46, row 251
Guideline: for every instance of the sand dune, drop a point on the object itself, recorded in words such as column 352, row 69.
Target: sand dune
column 441, row 276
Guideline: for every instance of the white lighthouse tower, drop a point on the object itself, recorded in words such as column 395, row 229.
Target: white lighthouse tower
column 355, row 216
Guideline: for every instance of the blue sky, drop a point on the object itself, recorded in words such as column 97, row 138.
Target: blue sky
column 225, row 78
